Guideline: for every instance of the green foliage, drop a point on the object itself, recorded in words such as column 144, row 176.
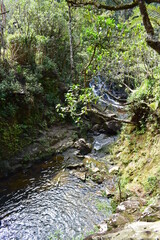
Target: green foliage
column 11, row 138
column 154, row 15
column 114, row 205
column 146, row 103
column 151, row 184
column 104, row 207
column 36, row 71
column 20, row 48
column 77, row 101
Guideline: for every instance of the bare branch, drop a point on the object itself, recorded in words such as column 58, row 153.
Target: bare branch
column 154, row 44
column 145, row 17
column 77, row 3
column 131, row 90
column 151, row 41
column 4, row 12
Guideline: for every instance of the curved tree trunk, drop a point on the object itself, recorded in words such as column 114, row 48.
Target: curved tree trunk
column 151, row 40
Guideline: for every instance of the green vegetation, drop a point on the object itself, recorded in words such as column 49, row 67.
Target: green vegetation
column 138, row 156
column 51, row 50
column 77, row 100
column 104, row 207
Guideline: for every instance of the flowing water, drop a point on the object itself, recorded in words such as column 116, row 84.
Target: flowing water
column 99, row 86
column 34, row 205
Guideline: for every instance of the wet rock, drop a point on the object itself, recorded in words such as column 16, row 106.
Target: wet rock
column 55, row 140
column 150, row 214
column 92, row 167
column 103, row 142
column 80, row 175
column 83, row 146
column 97, row 177
column 75, row 166
column 60, row 179
column 114, row 170
column 112, row 127
column 117, row 220
column 109, row 193
column 96, row 127
column 102, row 230
column 93, row 164
column 96, row 171
column 134, row 231
column 103, row 227
column 156, row 205
column 130, row 206
column 62, row 145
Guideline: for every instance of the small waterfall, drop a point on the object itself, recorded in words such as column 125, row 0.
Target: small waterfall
column 101, row 89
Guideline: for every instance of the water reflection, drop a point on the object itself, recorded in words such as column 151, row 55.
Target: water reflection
column 33, row 206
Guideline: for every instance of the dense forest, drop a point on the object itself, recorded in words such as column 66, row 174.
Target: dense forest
column 55, row 56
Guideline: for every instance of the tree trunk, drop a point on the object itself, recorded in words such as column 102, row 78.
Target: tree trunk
column 151, row 40
column 71, row 45
column 2, row 26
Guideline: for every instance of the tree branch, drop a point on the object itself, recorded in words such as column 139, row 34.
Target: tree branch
column 154, row 44
column 151, row 41
column 145, row 17
column 131, row 90
column 4, row 12
column 102, row 6
column 92, row 57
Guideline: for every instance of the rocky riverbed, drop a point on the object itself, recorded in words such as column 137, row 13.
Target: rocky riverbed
column 71, row 185
column 56, row 187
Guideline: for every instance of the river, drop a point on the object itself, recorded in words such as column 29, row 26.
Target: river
column 34, row 205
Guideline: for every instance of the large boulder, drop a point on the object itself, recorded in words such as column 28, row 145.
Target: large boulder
column 96, row 170
column 152, row 212
column 112, row 127
column 135, row 231
column 129, row 206
column 83, row 146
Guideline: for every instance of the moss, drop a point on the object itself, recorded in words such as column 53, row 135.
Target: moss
column 138, row 157
column 104, row 207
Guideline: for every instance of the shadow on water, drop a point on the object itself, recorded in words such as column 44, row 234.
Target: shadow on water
column 34, row 175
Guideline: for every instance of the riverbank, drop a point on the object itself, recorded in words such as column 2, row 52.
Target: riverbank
column 62, row 196
column 102, row 167
column 137, row 195
column 50, row 142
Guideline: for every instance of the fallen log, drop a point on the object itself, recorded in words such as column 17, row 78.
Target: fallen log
column 108, row 117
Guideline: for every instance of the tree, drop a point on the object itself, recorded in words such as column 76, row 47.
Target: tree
column 151, row 39
column 2, row 26
column 71, row 43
